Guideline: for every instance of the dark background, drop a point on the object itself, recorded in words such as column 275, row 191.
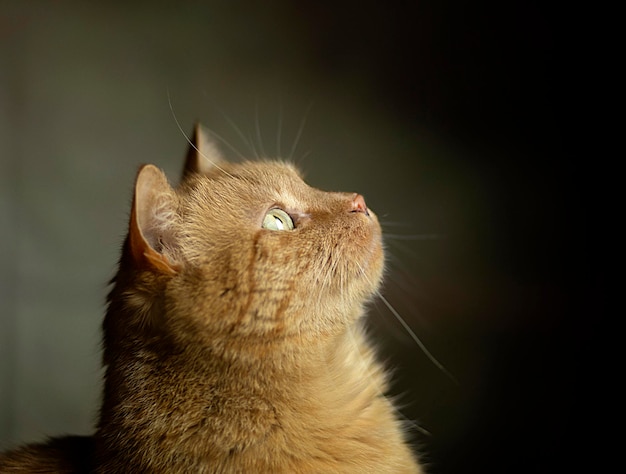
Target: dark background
column 455, row 119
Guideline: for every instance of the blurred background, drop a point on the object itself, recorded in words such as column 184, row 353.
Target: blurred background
column 450, row 117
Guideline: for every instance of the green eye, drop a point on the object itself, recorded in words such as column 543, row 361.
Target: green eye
column 277, row 219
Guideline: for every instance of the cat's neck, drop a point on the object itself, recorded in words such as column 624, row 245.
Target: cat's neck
column 219, row 405
column 282, row 367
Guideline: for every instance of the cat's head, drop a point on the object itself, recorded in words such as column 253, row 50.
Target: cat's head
column 246, row 252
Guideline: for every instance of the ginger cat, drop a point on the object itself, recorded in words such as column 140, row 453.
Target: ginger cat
column 232, row 339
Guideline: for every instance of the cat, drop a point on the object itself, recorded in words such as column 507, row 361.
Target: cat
column 233, row 337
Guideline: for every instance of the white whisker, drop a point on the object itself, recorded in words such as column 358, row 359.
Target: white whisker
column 404, row 281
column 394, row 223
column 232, row 124
column 381, row 392
column 400, row 244
column 169, row 101
column 258, row 129
column 246, row 141
column 408, row 329
column 415, row 338
column 300, row 130
column 415, row 236
column 397, row 263
column 227, row 143
column 299, row 161
column 279, row 132
column 255, row 152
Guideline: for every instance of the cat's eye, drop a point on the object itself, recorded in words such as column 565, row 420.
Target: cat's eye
column 277, row 219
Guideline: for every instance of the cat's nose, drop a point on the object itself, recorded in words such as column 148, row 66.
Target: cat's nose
column 358, row 204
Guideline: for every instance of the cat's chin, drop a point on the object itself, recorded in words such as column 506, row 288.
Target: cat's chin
column 373, row 263
column 372, row 270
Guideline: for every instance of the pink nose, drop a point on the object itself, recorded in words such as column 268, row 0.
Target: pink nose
column 358, row 204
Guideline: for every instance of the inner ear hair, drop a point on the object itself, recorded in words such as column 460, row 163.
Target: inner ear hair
column 154, row 221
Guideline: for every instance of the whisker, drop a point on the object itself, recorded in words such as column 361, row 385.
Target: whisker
column 300, row 130
column 380, row 391
column 279, row 132
column 415, row 338
column 299, row 161
column 248, row 142
column 254, row 149
column 402, row 279
column 397, row 262
column 169, row 101
column 408, row 421
column 394, row 223
column 414, row 236
column 228, row 144
column 258, row 128
column 233, row 126
column 402, row 246
column 414, row 424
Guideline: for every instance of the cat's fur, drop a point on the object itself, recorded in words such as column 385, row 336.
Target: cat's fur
column 232, row 348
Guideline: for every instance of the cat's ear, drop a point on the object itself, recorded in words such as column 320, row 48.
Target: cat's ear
column 203, row 154
column 152, row 222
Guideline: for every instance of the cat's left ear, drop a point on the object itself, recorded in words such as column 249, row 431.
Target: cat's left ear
column 203, row 154
column 152, row 231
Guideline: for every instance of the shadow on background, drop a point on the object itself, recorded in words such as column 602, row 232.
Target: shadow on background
column 451, row 118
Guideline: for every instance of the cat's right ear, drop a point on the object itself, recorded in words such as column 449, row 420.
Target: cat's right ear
column 152, row 230
column 203, row 154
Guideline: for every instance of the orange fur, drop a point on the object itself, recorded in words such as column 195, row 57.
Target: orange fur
column 232, row 348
